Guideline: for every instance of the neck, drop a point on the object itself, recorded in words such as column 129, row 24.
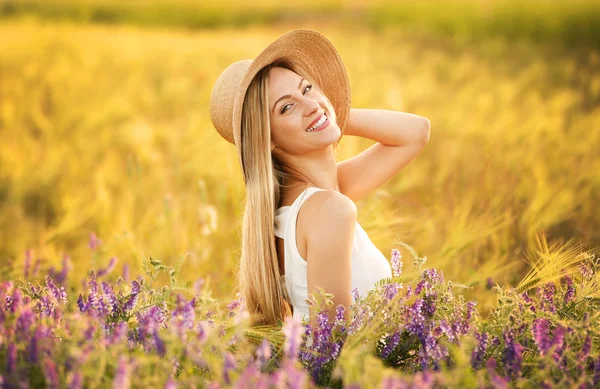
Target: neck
column 319, row 167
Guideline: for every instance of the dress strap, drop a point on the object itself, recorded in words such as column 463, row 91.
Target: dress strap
column 282, row 213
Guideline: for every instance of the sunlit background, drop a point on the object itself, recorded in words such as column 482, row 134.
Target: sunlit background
column 105, row 129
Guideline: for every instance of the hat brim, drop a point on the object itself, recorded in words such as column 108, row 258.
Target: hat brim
column 314, row 53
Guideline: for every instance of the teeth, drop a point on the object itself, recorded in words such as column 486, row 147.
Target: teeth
column 317, row 124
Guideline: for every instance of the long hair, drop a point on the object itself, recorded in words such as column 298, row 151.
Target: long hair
column 258, row 279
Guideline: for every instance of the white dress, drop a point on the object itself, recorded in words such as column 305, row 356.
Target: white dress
column 369, row 265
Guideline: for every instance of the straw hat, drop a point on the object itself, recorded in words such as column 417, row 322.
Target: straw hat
column 309, row 51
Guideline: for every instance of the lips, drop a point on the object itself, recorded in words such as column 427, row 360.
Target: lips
column 314, row 121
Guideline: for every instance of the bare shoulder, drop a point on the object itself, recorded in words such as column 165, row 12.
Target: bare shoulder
column 324, row 212
column 327, row 206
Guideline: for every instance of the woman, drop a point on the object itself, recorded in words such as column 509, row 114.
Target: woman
column 286, row 111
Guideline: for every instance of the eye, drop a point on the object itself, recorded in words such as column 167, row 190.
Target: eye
column 283, row 109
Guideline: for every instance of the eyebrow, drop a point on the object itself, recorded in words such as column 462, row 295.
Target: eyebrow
column 285, row 97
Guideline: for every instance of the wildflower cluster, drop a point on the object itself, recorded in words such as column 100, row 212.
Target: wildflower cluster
column 168, row 336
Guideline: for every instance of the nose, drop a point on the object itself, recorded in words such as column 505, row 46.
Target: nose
column 311, row 105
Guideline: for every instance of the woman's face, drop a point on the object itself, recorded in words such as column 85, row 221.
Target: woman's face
column 294, row 104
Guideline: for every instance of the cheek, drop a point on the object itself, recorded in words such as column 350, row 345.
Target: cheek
column 284, row 133
column 326, row 103
column 332, row 114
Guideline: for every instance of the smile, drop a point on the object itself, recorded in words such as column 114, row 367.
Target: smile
column 320, row 124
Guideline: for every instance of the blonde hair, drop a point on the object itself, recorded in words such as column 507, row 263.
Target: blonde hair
column 258, row 279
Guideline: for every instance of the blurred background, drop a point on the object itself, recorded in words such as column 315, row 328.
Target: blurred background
column 105, row 130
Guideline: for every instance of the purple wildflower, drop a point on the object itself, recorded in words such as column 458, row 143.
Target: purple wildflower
column 148, row 321
column 434, row 276
column 596, row 378
column 429, row 307
column 125, row 272
column 97, row 300
column 415, row 321
column 460, row 324
column 390, row 291
column 81, row 304
column 585, row 348
column 292, row 328
column 229, row 364
column 75, row 380
column 391, row 344
column 89, row 332
column 263, row 352
column 495, row 341
column 158, row 343
column 94, row 241
column 50, row 373
column 432, row 351
column 396, row 263
column 479, row 351
column 45, row 306
column 489, row 283
column 548, row 291
column 183, row 316
column 202, row 332
column 109, row 297
column 513, row 354
column 558, row 343
column 361, row 313
column 470, row 309
column 528, row 301
column 130, row 303
column 171, row 384
column 118, row 334
column 296, row 378
column 499, row 382
column 109, row 268
column 198, row 285
column 423, row 284
column 355, row 294
column 25, row 321
column 391, row 382
column 586, row 271
column 570, row 292
column 133, row 298
column 14, row 302
column 11, row 358
column 425, row 380
column 33, row 348
column 446, row 329
column 340, row 320
column 61, row 277
column 123, row 374
column 324, row 326
column 135, row 287
column 540, row 334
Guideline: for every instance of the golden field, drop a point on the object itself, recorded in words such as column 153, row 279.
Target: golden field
column 106, row 129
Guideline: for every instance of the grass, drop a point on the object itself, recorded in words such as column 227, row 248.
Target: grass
column 107, row 129
column 570, row 23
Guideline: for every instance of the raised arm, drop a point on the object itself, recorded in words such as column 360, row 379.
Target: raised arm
column 328, row 226
column 400, row 138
